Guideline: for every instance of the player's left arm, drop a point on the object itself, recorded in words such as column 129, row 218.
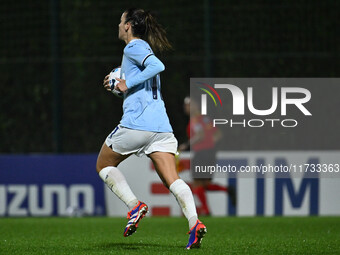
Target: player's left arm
column 143, row 57
column 153, row 66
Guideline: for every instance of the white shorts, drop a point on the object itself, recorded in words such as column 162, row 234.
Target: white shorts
column 126, row 141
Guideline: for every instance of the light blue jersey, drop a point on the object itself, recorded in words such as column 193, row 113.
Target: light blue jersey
column 143, row 107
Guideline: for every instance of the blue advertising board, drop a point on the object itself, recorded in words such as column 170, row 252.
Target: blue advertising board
column 50, row 185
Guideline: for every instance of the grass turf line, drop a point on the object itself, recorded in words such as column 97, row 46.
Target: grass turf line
column 233, row 235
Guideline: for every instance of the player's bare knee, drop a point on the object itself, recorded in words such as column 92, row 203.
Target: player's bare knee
column 102, row 163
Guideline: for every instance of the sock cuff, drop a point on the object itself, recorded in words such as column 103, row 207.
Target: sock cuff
column 103, row 173
column 177, row 186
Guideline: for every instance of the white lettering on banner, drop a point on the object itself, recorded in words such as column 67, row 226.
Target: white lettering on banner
column 12, row 201
column 88, row 193
column 33, row 201
column 2, row 200
column 20, row 192
column 60, row 192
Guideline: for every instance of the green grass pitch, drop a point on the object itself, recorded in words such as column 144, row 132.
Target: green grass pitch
column 226, row 235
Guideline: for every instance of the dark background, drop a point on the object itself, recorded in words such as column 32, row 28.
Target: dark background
column 55, row 54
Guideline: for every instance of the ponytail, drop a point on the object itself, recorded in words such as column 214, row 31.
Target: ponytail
column 145, row 26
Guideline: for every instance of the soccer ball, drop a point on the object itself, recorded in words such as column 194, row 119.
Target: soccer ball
column 115, row 73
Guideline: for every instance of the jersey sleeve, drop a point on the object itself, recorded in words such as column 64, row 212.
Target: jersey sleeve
column 153, row 66
column 138, row 53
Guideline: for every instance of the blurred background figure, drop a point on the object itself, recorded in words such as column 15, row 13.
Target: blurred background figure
column 202, row 140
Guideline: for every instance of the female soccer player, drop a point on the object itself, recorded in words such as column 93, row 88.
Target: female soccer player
column 144, row 128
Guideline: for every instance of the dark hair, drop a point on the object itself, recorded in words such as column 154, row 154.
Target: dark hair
column 145, row 26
